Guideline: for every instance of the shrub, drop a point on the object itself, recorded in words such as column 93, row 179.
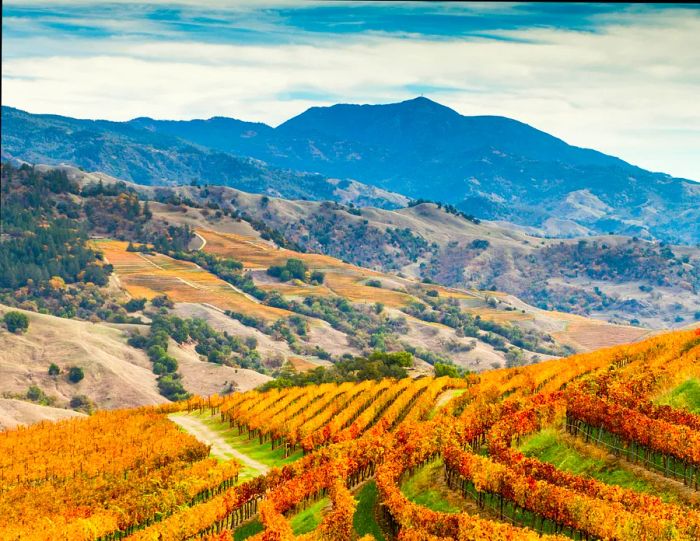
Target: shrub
column 171, row 387
column 137, row 340
column 374, row 283
column 16, row 321
column 75, row 374
column 54, row 370
column 479, row 244
column 443, row 369
column 293, row 268
column 35, row 394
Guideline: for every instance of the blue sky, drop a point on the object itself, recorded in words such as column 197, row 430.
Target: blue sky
column 623, row 79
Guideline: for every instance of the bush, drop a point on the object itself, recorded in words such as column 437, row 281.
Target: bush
column 293, row 268
column 138, row 340
column 374, row 283
column 171, row 387
column 35, row 394
column 479, row 244
column 162, row 301
column 54, row 370
column 75, row 374
column 16, row 321
column 432, row 293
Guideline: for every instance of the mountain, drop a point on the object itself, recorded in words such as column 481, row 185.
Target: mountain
column 149, row 157
column 492, row 167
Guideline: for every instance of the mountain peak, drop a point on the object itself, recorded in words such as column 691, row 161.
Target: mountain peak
column 422, row 101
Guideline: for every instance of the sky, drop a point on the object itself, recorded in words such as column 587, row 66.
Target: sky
column 623, row 79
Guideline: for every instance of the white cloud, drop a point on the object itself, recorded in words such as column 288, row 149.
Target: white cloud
column 630, row 91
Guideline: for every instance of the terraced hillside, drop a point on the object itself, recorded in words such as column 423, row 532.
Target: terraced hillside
column 472, row 458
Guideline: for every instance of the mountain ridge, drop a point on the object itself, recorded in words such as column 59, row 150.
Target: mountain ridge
column 491, row 167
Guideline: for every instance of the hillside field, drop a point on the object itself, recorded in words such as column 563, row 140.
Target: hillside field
column 584, row 447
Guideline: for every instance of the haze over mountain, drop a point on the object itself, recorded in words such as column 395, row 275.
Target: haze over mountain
column 492, row 167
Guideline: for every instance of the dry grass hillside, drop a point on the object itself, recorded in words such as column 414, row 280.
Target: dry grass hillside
column 15, row 412
column 612, row 278
column 204, row 378
column 203, row 294
column 414, row 239
column 116, row 375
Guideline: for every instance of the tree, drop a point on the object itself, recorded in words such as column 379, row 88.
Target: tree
column 443, row 369
column 293, row 268
column 317, row 277
column 135, row 304
column 54, row 370
column 75, row 374
column 82, row 402
column 16, row 322
column 162, row 301
column 35, row 394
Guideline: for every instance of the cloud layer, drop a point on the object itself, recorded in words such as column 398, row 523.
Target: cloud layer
column 623, row 80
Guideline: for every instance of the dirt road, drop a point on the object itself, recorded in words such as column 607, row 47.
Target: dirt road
column 219, row 447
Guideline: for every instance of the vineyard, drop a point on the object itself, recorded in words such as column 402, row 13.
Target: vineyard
column 133, row 474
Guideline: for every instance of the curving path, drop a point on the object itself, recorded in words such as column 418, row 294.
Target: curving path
column 219, row 447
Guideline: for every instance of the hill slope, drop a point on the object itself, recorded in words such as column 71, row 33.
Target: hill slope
column 116, row 374
column 615, row 278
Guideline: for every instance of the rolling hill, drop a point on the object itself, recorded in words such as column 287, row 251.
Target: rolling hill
column 219, row 321
column 116, row 374
column 610, row 277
